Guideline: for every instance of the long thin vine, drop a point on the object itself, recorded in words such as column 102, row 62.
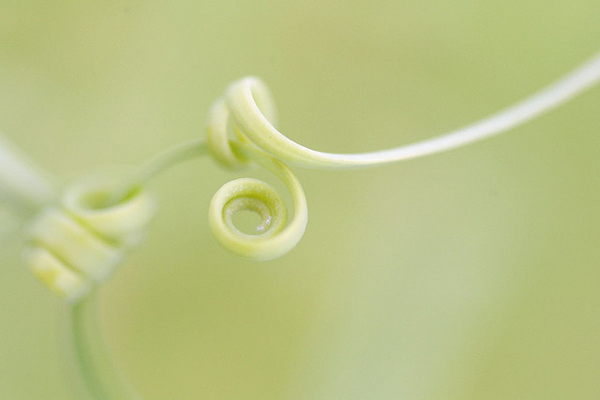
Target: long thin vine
column 77, row 241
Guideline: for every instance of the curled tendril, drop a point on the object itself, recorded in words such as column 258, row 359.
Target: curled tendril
column 246, row 116
column 74, row 244
column 242, row 126
column 250, row 103
column 275, row 238
column 220, row 127
column 79, row 243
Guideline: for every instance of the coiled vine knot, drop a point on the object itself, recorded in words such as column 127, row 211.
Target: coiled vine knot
column 79, row 242
column 230, row 145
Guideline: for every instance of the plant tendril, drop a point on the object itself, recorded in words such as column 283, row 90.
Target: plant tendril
column 69, row 251
column 254, row 195
column 75, row 245
column 250, row 104
column 79, row 242
column 241, row 129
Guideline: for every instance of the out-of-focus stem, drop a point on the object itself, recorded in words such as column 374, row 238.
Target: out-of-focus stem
column 91, row 363
column 22, row 183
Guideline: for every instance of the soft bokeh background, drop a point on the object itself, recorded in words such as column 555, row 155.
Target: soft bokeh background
column 468, row 275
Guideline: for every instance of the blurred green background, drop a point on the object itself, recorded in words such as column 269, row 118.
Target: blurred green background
column 467, row 275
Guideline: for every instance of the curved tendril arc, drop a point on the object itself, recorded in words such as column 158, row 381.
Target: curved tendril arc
column 274, row 237
column 250, row 104
column 78, row 243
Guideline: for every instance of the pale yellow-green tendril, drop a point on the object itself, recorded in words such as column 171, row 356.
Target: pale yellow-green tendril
column 250, row 105
column 79, row 242
column 276, row 237
column 73, row 247
column 273, row 236
column 241, row 129
column 76, row 245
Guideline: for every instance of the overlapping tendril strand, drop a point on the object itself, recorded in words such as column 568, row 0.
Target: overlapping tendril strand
column 78, row 243
column 242, row 127
column 274, row 237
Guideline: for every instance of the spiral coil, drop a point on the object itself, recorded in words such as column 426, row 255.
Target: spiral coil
column 230, row 146
column 242, row 130
column 81, row 241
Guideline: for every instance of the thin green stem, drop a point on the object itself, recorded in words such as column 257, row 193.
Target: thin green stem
column 245, row 102
column 247, row 98
column 163, row 161
column 92, row 365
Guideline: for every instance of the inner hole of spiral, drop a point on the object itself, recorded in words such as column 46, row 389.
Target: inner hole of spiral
column 248, row 215
column 250, row 222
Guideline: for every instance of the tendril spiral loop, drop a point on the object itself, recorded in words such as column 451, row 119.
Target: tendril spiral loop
column 230, row 146
column 221, row 126
column 252, row 107
column 80, row 242
column 274, row 238
column 248, row 101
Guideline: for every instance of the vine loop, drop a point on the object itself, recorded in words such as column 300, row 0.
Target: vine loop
column 81, row 241
column 274, row 238
column 231, row 147
column 222, row 128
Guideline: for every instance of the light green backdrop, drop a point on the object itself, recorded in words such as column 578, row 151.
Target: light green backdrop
column 468, row 275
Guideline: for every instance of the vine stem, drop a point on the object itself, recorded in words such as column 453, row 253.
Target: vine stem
column 91, row 363
column 163, row 161
column 19, row 179
column 22, row 183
